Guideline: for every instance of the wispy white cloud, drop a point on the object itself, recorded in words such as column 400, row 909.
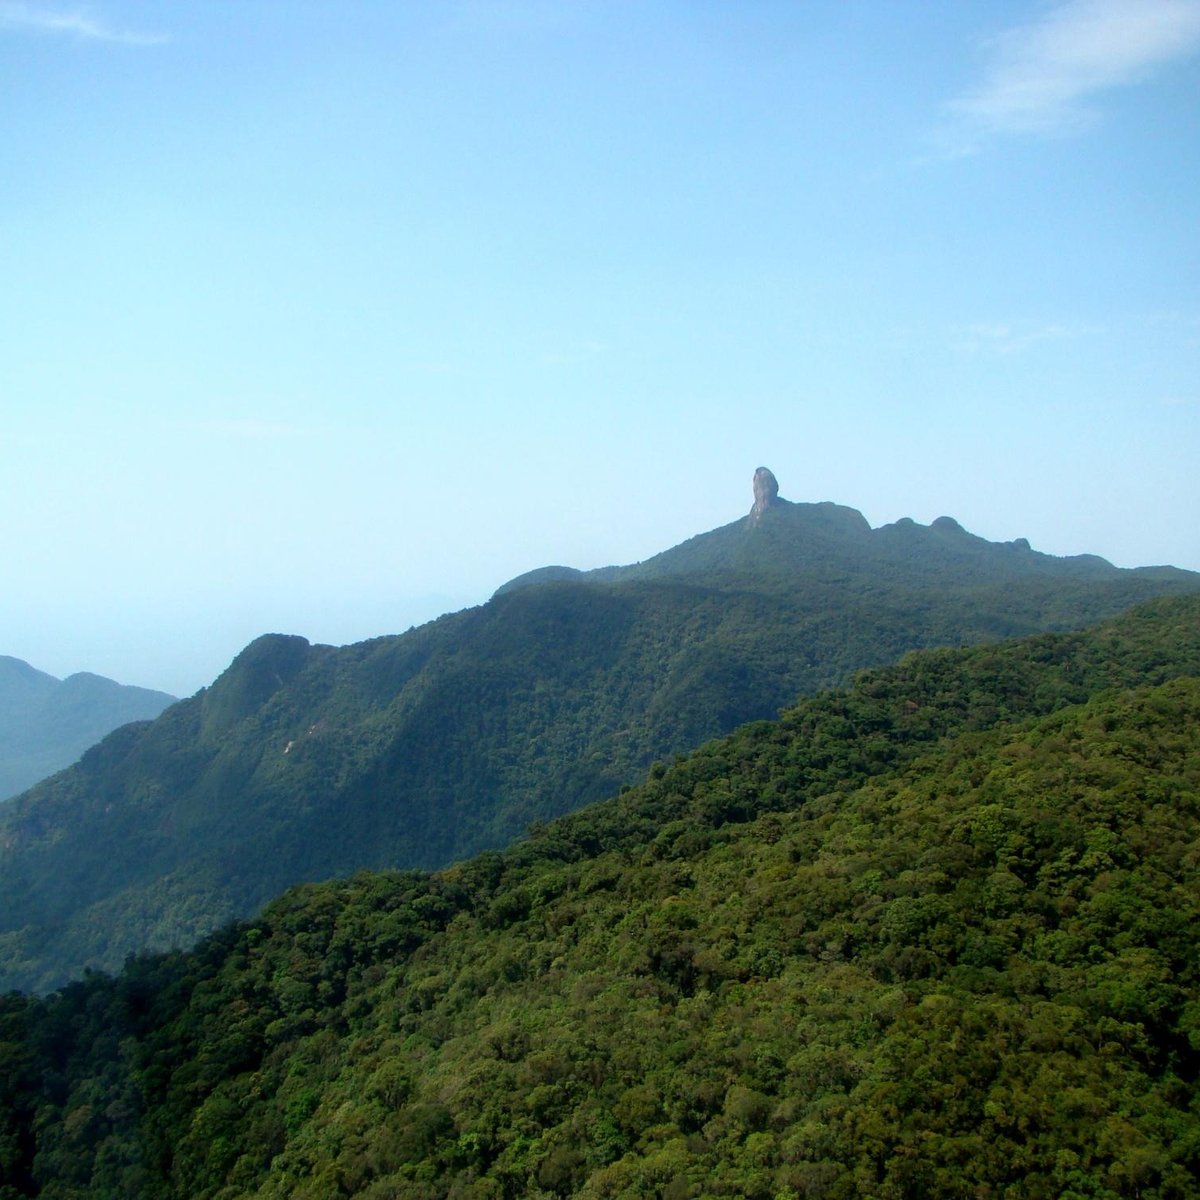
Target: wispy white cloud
column 1043, row 77
column 69, row 22
column 1005, row 337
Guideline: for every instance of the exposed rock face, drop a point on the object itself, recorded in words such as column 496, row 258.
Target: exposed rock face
column 766, row 492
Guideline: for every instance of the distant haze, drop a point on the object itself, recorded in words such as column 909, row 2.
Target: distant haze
column 326, row 319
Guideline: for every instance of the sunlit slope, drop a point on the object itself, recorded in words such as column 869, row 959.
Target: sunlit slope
column 305, row 762
column 935, row 934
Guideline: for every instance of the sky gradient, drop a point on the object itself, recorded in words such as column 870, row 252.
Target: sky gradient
column 327, row 318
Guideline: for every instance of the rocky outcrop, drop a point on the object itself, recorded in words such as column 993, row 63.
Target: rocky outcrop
column 766, row 492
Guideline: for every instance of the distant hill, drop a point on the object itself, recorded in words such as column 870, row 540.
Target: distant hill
column 830, row 543
column 307, row 762
column 936, row 935
column 47, row 723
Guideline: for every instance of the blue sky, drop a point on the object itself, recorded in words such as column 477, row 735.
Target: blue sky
column 326, row 318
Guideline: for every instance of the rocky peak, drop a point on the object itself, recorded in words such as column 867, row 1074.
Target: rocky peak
column 766, row 492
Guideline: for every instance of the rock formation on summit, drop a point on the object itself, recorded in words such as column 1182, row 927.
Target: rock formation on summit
column 766, row 492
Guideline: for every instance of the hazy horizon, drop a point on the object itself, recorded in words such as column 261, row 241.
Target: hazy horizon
column 350, row 624
column 327, row 320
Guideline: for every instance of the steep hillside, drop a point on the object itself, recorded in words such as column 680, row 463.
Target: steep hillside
column 305, row 762
column 47, row 723
column 937, row 935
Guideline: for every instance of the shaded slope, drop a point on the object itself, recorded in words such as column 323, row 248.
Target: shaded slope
column 306, row 762
column 931, row 935
column 47, row 723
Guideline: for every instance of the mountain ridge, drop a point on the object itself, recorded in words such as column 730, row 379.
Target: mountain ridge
column 46, row 723
column 934, row 930
column 812, row 527
column 306, row 762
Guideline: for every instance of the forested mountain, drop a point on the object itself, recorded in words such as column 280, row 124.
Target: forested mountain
column 308, row 762
column 47, row 723
column 933, row 936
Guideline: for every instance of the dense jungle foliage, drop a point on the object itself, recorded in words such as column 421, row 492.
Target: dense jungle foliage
column 308, row 762
column 936, row 935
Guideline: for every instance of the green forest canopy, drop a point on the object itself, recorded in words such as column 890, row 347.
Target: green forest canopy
column 310, row 762
column 931, row 936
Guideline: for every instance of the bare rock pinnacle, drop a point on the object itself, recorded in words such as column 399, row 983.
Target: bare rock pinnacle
column 766, row 492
